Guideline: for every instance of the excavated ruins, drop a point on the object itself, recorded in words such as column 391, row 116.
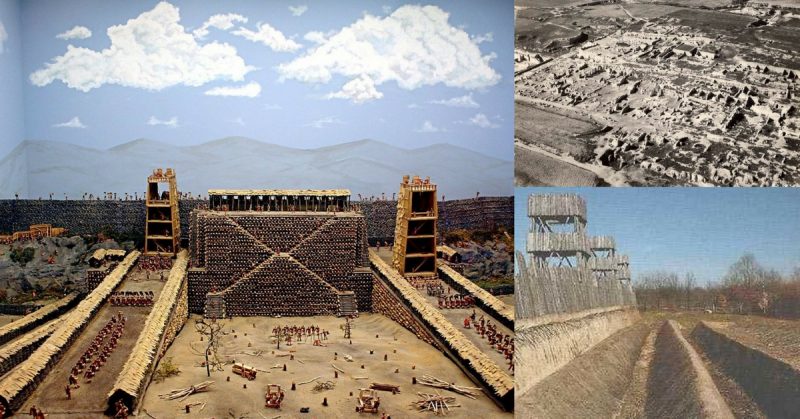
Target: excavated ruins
column 257, row 260
column 638, row 93
column 583, row 349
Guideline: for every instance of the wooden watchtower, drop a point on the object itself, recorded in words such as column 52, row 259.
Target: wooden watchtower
column 163, row 226
column 414, row 250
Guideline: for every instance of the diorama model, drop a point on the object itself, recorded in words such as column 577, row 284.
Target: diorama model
column 288, row 307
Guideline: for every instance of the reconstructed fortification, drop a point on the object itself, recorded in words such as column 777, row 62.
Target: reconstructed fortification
column 288, row 263
column 572, row 292
column 89, row 217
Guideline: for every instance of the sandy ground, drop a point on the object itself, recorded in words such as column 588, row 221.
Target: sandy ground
column 90, row 399
column 413, row 358
column 7, row 318
column 507, row 298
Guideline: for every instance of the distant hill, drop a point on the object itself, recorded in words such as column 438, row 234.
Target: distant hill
column 366, row 167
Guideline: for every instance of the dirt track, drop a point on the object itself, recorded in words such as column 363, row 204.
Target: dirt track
column 653, row 369
column 90, row 399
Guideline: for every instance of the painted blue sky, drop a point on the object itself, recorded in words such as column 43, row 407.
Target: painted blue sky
column 301, row 73
column 702, row 230
column 12, row 127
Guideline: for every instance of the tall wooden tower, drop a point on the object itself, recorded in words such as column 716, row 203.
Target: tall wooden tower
column 414, row 251
column 163, row 226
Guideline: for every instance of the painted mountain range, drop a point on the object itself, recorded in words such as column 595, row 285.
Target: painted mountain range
column 37, row 168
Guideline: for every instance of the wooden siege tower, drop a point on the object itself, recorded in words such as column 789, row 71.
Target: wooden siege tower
column 414, row 250
column 163, row 226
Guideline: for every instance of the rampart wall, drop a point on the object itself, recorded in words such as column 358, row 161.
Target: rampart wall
column 89, row 217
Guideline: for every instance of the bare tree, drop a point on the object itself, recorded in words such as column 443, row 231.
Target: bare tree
column 689, row 283
column 212, row 329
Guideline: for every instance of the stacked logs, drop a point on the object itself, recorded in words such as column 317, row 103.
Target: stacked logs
column 95, row 276
column 266, row 292
column 246, row 258
column 180, row 313
column 89, row 217
column 385, row 303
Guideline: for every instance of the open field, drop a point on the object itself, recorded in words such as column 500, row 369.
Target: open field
column 251, row 343
column 7, row 318
column 533, row 168
column 552, row 129
column 748, row 370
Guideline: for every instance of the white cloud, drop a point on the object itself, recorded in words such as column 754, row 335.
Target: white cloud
column 272, row 107
column 487, row 37
column 72, row 123
column 270, row 37
column 415, row 46
column 428, row 127
column 413, row 106
column 151, row 51
column 465, row 101
column 238, row 121
column 78, row 32
column 323, row 122
column 220, row 21
column 386, row 9
column 298, row 10
column 316, row 37
column 358, row 90
column 252, row 89
column 3, row 36
column 482, row 121
column 172, row 122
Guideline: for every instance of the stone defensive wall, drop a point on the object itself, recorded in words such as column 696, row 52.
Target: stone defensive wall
column 680, row 377
column 547, row 343
column 23, row 380
column 17, row 351
column 38, row 317
column 474, row 362
column 165, row 320
column 483, row 299
column 774, row 384
column 89, row 217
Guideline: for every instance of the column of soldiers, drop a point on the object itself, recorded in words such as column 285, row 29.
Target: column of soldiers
column 498, row 341
column 132, row 298
column 435, row 290
column 298, row 332
column 155, row 263
column 456, row 301
column 98, row 352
